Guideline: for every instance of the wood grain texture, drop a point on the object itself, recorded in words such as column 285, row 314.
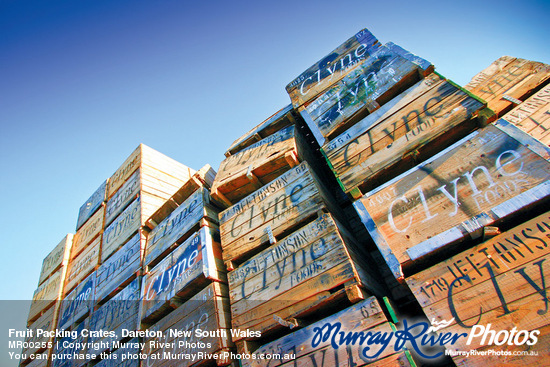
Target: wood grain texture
column 92, row 204
column 278, row 121
column 82, row 265
column 416, row 118
column 46, row 294
column 68, row 346
column 188, row 268
column 508, row 76
column 379, row 78
column 46, row 322
column 123, row 196
column 533, row 115
column 78, row 303
column 119, row 268
column 58, row 257
column 279, row 205
column 178, row 224
column 332, row 67
column 208, row 310
column 364, row 316
column 88, row 232
column 121, row 229
column 488, row 175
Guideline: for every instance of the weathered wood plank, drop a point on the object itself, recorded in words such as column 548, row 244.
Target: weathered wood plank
column 431, row 108
column 331, row 68
column 88, row 232
column 206, row 311
column 178, row 224
column 124, row 196
column 190, row 266
column 92, row 204
column 280, row 205
column 46, row 294
column 507, row 79
column 487, row 176
column 359, row 317
column 68, row 346
column 120, row 267
column 202, row 178
column 121, row 229
column 249, row 169
column 380, row 77
column 82, row 265
column 77, row 304
column 128, row 167
column 120, row 312
column 278, row 121
column 58, row 257
column 38, row 343
column 533, row 115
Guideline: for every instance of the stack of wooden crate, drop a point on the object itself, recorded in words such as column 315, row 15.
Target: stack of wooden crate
column 290, row 260
column 44, row 309
column 185, row 284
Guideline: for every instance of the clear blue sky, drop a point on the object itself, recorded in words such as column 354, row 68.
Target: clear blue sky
column 82, row 83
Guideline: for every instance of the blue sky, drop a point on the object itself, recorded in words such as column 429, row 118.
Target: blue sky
column 84, row 82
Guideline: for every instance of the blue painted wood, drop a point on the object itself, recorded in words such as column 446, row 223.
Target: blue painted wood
column 91, row 205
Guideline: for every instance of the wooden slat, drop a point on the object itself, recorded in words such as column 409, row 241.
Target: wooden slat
column 380, row 77
column 38, row 343
column 207, row 311
column 185, row 270
column 418, row 117
column 248, row 170
column 91, row 205
column 46, row 294
column 124, row 196
column 82, row 265
column 121, row 229
column 175, row 226
column 278, row 121
column 120, row 267
column 366, row 315
column 280, row 205
column 88, row 232
column 331, row 68
column 57, row 258
column 487, row 176
column 508, row 77
column 120, row 357
column 68, row 346
column 120, row 312
column 533, row 115
column 77, row 304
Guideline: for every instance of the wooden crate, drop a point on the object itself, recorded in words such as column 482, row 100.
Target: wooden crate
column 46, row 294
column 296, row 348
column 82, row 265
column 92, row 229
column 70, row 348
column 57, row 258
column 331, row 68
column 508, row 81
column 208, row 310
column 77, row 305
column 120, row 357
column 251, row 168
column 120, row 312
column 39, row 343
column 161, row 176
column 185, row 271
column 129, row 191
column 383, row 75
column 497, row 282
column 271, row 212
column 311, row 269
column 194, row 212
column 121, row 229
column 533, row 115
column 279, row 120
column 491, row 174
column 118, row 270
column 431, row 112
column 202, row 178
column 93, row 203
